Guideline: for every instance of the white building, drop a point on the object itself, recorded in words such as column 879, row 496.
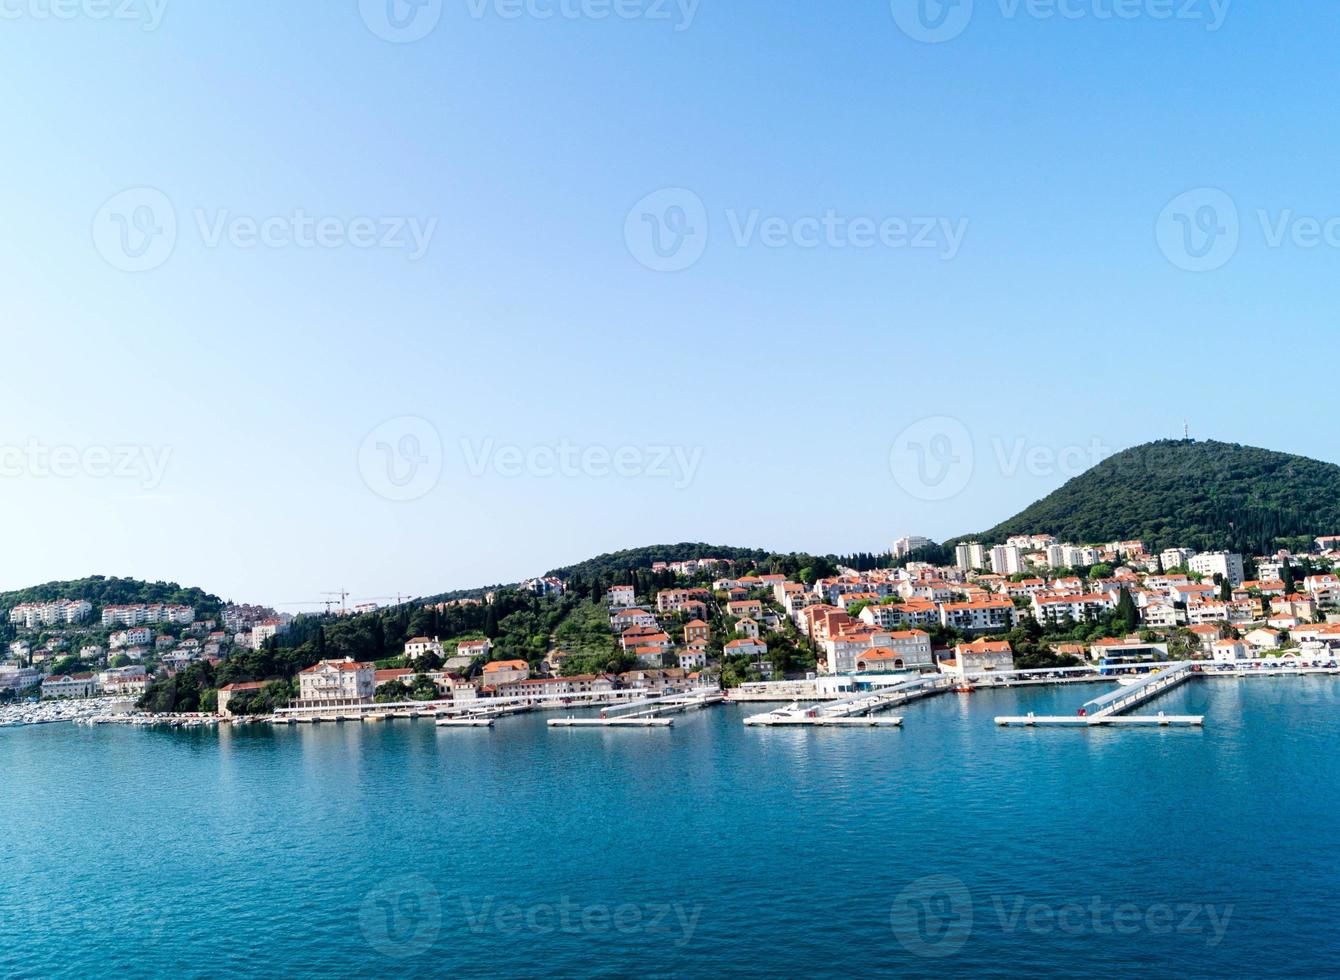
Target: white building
column 1222, row 563
column 1176, row 557
column 336, row 682
column 70, row 686
column 130, row 680
column 1007, row 559
column 979, row 616
column 1228, row 651
column 474, row 648
column 913, row 542
column 969, row 555
column 30, row 615
column 979, row 657
column 133, row 615
column 421, row 646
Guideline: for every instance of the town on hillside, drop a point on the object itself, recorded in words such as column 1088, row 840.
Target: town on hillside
column 1029, row 602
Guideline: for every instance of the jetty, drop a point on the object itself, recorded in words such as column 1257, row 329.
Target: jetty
column 859, row 710
column 1109, row 709
column 643, row 713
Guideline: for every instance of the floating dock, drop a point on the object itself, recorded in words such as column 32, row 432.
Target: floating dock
column 857, row 711
column 779, row 720
column 643, row 713
column 611, row 722
column 1108, row 709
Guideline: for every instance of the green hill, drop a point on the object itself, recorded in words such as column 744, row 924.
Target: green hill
column 103, row 591
column 1200, row 495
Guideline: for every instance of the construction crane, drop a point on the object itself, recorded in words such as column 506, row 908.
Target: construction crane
column 344, row 597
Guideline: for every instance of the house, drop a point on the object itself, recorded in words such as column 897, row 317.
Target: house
column 550, row 688
column 747, row 627
column 16, row 678
column 979, row 616
column 1325, row 589
column 1263, row 638
column 1300, row 607
column 227, row 692
column 1160, row 614
column 1205, row 635
column 696, row 631
column 336, row 683
column 1229, row 651
column 693, row 658
column 980, row 656
column 267, row 630
column 474, row 648
column 678, row 600
column 751, row 608
column 620, row 596
column 135, row 637
column 1131, row 646
column 1056, row 609
column 1224, row 564
column 129, row 680
column 906, row 650
column 625, row 618
column 421, row 646
column 745, row 648
column 644, row 636
column 70, row 686
column 669, row 679
column 499, row 672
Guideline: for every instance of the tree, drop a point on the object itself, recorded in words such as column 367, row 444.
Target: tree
column 391, row 692
column 1125, row 617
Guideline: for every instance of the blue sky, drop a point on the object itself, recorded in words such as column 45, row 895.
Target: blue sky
column 250, row 397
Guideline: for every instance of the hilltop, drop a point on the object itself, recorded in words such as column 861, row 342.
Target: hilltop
column 1203, row 495
column 103, row 591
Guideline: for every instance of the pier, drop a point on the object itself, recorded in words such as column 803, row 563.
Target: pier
column 644, row 713
column 1109, row 709
column 857, row 711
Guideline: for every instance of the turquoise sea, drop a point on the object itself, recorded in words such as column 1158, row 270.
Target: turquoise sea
column 949, row 847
